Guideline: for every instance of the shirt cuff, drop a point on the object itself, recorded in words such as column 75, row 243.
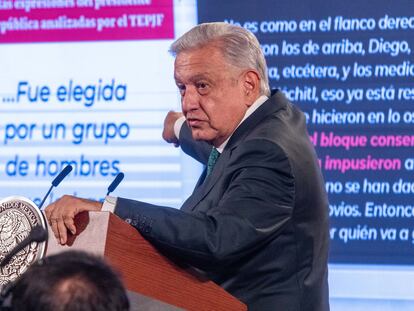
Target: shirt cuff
column 109, row 204
column 177, row 126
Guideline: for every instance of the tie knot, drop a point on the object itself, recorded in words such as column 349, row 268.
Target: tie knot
column 212, row 159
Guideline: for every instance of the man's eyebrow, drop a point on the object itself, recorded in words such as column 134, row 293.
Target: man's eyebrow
column 196, row 77
column 203, row 75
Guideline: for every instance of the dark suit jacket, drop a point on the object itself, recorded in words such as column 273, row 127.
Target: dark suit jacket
column 258, row 225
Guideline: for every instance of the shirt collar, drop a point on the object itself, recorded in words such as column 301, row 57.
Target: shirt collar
column 258, row 102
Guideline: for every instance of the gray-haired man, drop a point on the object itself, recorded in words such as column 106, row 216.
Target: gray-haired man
column 257, row 221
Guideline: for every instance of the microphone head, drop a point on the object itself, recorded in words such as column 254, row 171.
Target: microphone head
column 116, row 182
column 62, row 174
column 38, row 234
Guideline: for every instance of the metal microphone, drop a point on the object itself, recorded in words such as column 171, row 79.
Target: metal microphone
column 37, row 234
column 56, row 182
column 115, row 183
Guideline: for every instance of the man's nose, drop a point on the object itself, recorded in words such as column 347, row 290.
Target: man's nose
column 190, row 100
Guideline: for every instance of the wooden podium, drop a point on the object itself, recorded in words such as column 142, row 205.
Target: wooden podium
column 154, row 279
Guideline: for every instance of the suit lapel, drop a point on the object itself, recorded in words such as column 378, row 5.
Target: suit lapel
column 272, row 105
column 204, row 186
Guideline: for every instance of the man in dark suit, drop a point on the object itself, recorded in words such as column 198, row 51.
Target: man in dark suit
column 257, row 221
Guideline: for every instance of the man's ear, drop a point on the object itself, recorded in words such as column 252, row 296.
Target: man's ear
column 251, row 85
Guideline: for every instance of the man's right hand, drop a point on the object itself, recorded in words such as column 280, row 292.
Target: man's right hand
column 61, row 214
column 168, row 132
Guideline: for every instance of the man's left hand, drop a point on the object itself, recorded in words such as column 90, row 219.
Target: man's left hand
column 168, row 132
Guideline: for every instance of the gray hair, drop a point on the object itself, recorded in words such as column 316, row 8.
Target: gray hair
column 238, row 45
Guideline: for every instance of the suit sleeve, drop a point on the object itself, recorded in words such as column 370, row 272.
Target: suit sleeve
column 198, row 150
column 253, row 209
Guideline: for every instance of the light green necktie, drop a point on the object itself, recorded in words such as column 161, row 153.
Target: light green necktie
column 212, row 159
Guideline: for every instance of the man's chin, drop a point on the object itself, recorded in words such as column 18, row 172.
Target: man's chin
column 200, row 136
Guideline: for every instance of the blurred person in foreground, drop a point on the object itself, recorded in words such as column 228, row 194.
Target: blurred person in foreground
column 69, row 281
column 257, row 221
